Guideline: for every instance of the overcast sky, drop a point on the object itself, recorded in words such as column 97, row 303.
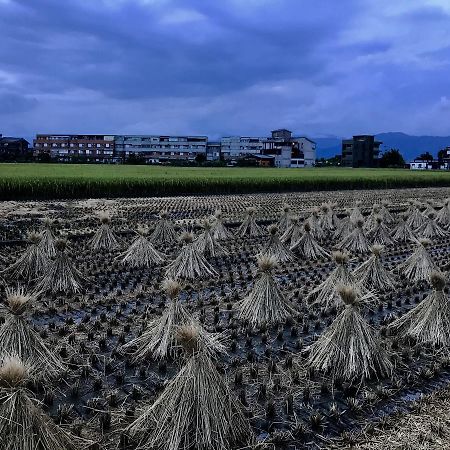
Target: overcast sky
column 224, row 67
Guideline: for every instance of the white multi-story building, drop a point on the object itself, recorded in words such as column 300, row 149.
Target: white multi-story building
column 156, row 148
column 235, row 147
column 308, row 147
column 287, row 151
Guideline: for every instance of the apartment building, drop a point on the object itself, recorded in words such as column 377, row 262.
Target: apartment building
column 158, row 148
column 75, row 147
column 237, row 147
column 361, row 151
column 288, row 151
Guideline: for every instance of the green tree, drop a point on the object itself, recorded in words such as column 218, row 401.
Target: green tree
column 200, row 158
column 427, row 156
column 442, row 154
column 392, row 158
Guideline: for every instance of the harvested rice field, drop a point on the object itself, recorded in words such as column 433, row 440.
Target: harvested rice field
column 268, row 321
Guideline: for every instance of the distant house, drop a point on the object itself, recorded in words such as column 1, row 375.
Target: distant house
column 425, row 164
column 13, row 148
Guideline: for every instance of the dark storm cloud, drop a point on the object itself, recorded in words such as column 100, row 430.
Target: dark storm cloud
column 231, row 66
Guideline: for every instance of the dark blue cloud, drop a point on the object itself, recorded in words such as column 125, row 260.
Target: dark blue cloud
column 223, row 67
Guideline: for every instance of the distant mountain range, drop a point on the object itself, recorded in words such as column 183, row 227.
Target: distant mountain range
column 409, row 146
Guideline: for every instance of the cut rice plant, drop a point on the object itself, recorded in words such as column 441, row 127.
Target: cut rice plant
column 415, row 219
column 327, row 219
column 293, row 233
column 380, row 234
column 275, row 247
column 104, row 238
column 344, row 228
column 17, row 336
column 141, row 252
column 164, row 232
column 372, row 274
column 23, row 424
column 249, row 227
column 206, row 243
column 429, row 321
column 356, row 214
column 326, row 295
column 265, row 304
column 443, row 216
column 220, row 231
column 196, row 410
column 190, row 264
column 31, row 264
column 430, row 229
column 349, row 348
column 158, row 340
column 356, row 242
column 403, row 233
column 316, row 228
column 61, row 276
column 385, row 214
column 47, row 242
column 419, row 265
column 307, row 247
column 371, row 220
column 285, row 220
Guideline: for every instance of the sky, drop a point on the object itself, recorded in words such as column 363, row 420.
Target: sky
column 224, row 67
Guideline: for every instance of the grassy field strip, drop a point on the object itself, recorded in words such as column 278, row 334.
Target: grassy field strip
column 47, row 181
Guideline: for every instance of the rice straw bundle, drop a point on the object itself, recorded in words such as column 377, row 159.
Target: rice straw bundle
column 61, row 276
column 164, row 232
column 158, row 340
column 190, row 264
column 326, row 294
column 196, row 410
column 372, row 274
column 316, row 229
column 220, row 231
column 23, row 425
column 379, row 234
column 356, row 213
column 443, row 216
column 429, row 209
column 415, row 219
column 31, row 264
column 265, row 304
column 403, row 233
column 350, row 348
column 387, row 217
column 371, row 220
column 275, row 247
column 429, row 321
column 308, row 247
column 345, row 227
column 431, row 229
column 285, row 219
column 141, row 252
column 326, row 219
column 356, row 241
column 104, row 238
column 206, row 243
column 419, row 265
column 249, row 227
column 293, row 233
column 17, row 337
column 47, row 243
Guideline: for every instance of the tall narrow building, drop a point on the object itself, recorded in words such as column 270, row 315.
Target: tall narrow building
column 361, row 151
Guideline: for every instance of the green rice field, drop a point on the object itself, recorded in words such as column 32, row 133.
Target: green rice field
column 52, row 181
